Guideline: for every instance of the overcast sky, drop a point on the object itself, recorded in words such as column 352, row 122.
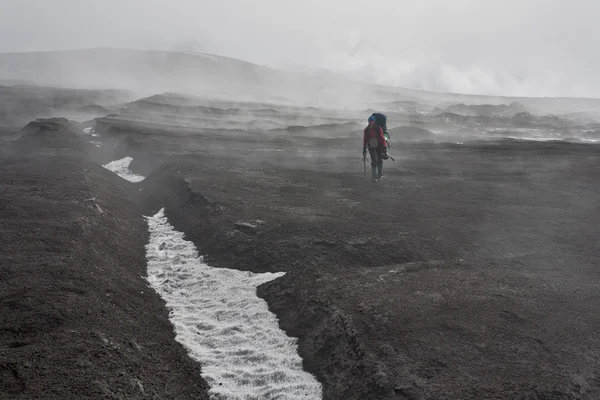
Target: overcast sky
column 509, row 47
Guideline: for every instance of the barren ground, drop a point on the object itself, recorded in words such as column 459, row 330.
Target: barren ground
column 469, row 272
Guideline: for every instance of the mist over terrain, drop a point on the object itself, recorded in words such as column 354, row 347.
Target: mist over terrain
column 203, row 91
column 188, row 208
column 513, row 47
column 147, row 72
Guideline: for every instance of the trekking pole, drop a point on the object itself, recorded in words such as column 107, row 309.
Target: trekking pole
column 365, row 164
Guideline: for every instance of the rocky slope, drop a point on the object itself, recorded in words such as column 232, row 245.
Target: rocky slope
column 77, row 318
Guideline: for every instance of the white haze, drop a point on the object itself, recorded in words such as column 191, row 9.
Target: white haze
column 509, row 47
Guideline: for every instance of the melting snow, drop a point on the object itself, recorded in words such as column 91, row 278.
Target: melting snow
column 223, row 324
column 121, row 168
column 88, row 130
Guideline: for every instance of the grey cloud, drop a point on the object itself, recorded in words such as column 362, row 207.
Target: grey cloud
column 526, row 47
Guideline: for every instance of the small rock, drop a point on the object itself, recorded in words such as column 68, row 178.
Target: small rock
column 137, row 382
column 325, row 242
column 232, row 233
column 135, row 345
column 162, row 246
column 358, row 241
column 246, row 227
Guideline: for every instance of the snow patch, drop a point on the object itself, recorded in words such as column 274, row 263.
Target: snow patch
column 121, row 168
column 88, row 130
column 97, row 144
column 222, row 323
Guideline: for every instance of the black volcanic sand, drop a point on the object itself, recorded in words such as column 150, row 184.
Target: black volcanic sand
column 77, row 318
column 469, row 272
column 456, row 277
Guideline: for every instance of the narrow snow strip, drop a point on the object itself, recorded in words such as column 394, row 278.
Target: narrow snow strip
column 223, row 324
column 121, row 168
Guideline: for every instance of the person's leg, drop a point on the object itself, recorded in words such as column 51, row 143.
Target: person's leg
column 379, row 162
column 374, row 162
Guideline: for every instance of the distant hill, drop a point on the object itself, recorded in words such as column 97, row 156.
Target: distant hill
column 22, row 103
column 15, row 82
column 150, row 72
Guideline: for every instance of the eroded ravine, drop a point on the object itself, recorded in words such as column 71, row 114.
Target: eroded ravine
column 220, row 320
column 223, row 324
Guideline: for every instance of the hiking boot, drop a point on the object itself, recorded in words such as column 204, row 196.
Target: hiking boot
column 374, row 173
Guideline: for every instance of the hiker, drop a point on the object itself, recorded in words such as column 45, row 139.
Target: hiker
column 381, row 120
column 375, row 142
